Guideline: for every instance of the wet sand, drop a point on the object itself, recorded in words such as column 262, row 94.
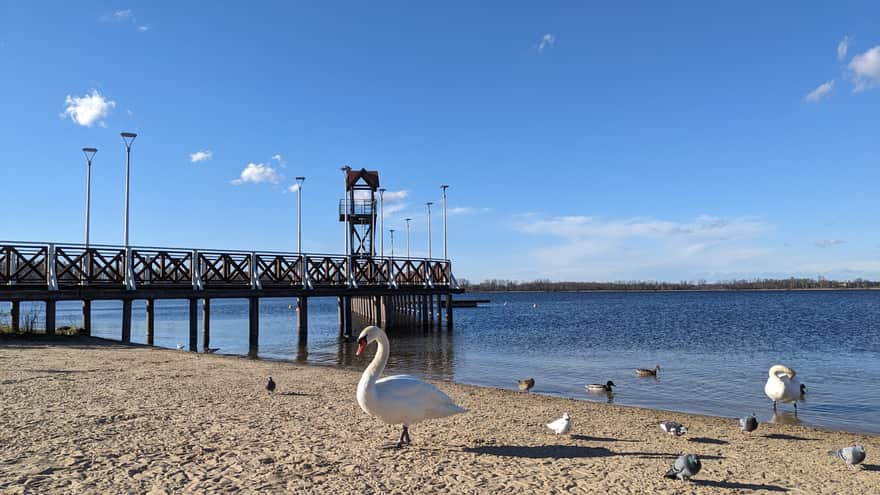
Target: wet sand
column 83, row 415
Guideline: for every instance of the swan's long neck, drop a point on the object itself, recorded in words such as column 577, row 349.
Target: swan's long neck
column 781, row 369
column 377, row 365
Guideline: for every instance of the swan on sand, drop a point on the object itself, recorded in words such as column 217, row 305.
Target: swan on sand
column 782, row 386
column 399, row 399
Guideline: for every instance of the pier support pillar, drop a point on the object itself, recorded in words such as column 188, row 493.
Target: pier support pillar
column 423, row 309
column 439, row 310
column 50, row 317
column 193, row 324
column 348, row 317
column 303, row 319
column 15, row 314
column 448, row 310
column 206, row 324
column 377, row 311
column 87, row 317
column 340, row 311
column 254, row 326
column 126, row 321
column 151, row 321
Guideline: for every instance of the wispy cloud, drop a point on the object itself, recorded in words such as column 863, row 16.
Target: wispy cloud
column 257, row 173
column 826, row 243
column 820, row 92
column 118, row 16
column 144, row 28
column 842, row 47
column 294, row 188
column 865, row 69
column 619, row 249
column 277, row 158
column 201, row 156
column 546, row 41
column 89, row 109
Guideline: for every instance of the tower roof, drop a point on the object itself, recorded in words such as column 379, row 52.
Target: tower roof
column 371, row 177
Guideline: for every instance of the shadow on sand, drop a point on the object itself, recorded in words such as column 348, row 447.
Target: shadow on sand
column 586, row 438
column 871, row 467
column 751, row 487
column 540, row 451
column 783, row 436
column 712, row 441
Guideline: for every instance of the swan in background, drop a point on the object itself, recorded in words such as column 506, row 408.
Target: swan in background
column 782, row 386
column 647, row 371
column 399, row 399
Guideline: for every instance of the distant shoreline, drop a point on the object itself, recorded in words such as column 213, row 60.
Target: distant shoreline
column 817, row 289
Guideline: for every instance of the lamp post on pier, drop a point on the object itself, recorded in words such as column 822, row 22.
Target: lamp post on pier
column 428, row 204
column 392, row 243
column 382, row 222
column 89, row 153
column 127, row 138
column 299, row 215
column 407, row 236
column 345, row 170
column 444, row 187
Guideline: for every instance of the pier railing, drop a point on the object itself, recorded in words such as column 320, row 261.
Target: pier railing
column 53, row 266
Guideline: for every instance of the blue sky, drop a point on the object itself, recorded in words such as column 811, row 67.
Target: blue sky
column 581, row 141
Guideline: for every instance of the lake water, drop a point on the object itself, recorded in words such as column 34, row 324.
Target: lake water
column 714, row 348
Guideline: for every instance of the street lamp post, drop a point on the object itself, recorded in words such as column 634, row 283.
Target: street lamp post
column 382, row 222
column 407, row 236
column 299, row 215
column 444, row 187
column 428, row 204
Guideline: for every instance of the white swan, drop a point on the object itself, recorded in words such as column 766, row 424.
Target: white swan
column 782, row 386
column 399, row 399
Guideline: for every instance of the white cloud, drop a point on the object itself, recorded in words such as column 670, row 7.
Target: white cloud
column 201, row 156
column 546, row 40
column 590, row 248
column 144, row 28
column 820, row 92
column 257, row 173
column 842, row 47
column 294, row 188
column 89, row 109
column 118, row 16
column 277, row 157
column 393, row 196
column 865, row 69
column 460, row 210
column 825, row 243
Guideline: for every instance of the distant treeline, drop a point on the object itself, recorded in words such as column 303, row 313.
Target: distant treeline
column 496, row 285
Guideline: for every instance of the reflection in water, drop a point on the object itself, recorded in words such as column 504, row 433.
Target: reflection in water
column 428, row 353
column 785, row 418
column 603, row 393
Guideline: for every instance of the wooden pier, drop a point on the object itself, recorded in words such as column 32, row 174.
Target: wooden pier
column 389, row 292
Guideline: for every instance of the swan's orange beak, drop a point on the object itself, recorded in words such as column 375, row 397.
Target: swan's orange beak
column 362, row 344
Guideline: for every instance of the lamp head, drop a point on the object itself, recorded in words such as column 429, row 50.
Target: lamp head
column 90, row 153
column 128, row 137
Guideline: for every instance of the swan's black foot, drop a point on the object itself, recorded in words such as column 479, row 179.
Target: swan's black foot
column 774, row 405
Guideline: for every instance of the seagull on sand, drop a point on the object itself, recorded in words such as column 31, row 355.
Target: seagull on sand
column 850, row 455
column 562, row 425
column 748, row 424
column 673, row 428
column 179, row 347
column 526, row 384
column 686, row 466
column 270, row 385
column 212, row 350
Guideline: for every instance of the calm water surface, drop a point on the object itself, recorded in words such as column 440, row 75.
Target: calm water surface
column 714, row 349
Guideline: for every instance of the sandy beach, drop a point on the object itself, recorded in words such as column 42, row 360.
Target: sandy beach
column 83, row 415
